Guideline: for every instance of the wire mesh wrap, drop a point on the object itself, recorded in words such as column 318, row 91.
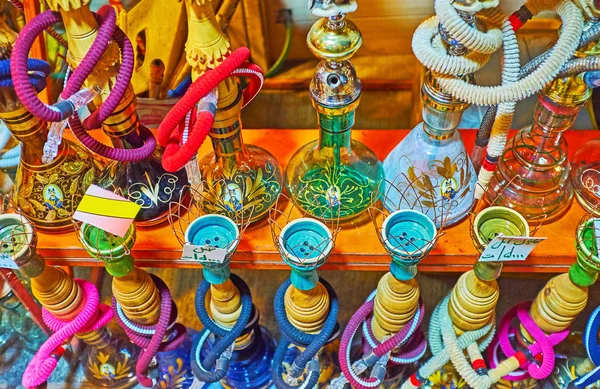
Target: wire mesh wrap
column 587, row 246
column 480, row 205
column 188, row 208
column 18, row 239
column 410, row 197
column 285, row 212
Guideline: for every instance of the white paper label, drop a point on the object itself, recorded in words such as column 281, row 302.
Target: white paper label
column 204, row 254
column 509, row 248
column 7, row 262
column 196, row 384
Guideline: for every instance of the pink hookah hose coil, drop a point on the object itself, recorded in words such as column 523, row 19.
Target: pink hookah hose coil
column 107, row 32
column 93, row 317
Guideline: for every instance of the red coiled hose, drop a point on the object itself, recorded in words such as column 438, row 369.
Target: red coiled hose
column 176, row 156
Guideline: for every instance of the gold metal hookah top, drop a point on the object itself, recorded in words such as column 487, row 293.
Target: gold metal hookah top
column 334, row 40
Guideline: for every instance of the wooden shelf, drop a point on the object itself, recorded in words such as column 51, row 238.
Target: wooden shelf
column 357, row 246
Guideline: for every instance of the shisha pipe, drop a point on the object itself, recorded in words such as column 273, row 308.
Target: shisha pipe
column 450, row 45
column 141, row 302
column 228, row 315
column 391, row 316
column 219, row 101
column 546, row 321
column 306, row 306
column 95, row 43
column 74, row 168
column 465, row 319
column 70, row 307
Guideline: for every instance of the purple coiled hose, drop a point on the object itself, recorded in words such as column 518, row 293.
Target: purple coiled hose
column 150, row 338
column 107, row 31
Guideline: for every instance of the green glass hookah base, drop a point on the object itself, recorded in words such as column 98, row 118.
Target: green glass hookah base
column 334, row 191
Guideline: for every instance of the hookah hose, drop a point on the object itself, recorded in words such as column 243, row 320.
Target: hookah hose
column 107, row 32
column 312, row 342
column 474, row 373
column 441, row 334
column 573, row 66
column 175, row 156
column 378, row 350
column 150, row 338
column 543, row 343
column 218, row 355
column 430, row 50
column 590, row 339
column 93, row 316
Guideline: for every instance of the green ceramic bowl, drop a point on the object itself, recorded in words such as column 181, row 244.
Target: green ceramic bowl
column 494, row 221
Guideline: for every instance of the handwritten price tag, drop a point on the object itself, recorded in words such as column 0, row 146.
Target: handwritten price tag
column 509, row 248
column 204, row 254
column 7, row 262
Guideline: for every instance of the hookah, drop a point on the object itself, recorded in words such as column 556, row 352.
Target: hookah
column 233, row 350
column 141, row 302
column 391, row 316
column 333, row 177
column 46, row 193
column 452, row 47
column 306, row 306
column 465, row 319
column 102, row 58
column 545, row 322
column 71, row 307
column 236, row 176
column 533, row 173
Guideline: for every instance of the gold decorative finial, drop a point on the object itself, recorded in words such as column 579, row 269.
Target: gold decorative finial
column 206, row 46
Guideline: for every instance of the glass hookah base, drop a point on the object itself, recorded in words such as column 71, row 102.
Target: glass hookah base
column 146, row 184
column 535, row 207
column 332, row 194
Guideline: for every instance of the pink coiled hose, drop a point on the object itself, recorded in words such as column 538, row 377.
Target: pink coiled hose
column 362, row 316
column 93, row 317
column 107, row 32
column 543, row 343
column 150, row 338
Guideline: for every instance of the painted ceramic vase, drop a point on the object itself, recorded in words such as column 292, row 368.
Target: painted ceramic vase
column 433, row 161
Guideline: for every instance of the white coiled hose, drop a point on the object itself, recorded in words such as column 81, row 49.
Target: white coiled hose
column 432, row 53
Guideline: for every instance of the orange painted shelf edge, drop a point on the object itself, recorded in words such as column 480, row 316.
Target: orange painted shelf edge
column 357, row 247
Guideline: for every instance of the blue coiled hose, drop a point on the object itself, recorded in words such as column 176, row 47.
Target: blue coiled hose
column 203, row 369
column 38, row 71
column 312, row 342
column 590, row 340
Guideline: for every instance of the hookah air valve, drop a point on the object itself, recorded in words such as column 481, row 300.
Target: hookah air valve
column 67, row 108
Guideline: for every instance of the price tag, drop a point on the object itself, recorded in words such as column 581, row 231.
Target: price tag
column 204, row 254
column 509, row 248
column 106, row 210
column 196, row 384
column 7, row 262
